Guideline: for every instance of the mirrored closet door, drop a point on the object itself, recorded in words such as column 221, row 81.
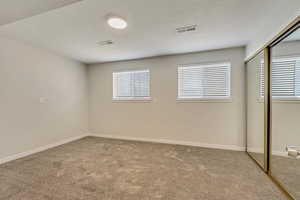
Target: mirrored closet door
column 255, row 109
column 285, row 113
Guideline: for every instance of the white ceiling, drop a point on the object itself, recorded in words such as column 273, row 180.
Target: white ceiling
column 75, row 30
column 13, row 10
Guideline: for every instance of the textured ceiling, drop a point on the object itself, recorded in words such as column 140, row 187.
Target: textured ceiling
column 75, row 30
column 13, row 10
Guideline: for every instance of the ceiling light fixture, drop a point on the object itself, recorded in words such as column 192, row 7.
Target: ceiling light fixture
column 117, row 22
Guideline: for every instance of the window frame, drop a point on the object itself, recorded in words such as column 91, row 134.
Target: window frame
column 277, row 98
column 205, row 99
column 131, row 98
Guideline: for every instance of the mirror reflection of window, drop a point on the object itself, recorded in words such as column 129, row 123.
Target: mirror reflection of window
column 285, row 78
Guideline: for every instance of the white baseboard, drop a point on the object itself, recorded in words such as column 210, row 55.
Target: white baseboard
column 255, row 150
column 275, row 153
column 167, row 141
column 280, row 153
column 39, row 149
column 163, row 141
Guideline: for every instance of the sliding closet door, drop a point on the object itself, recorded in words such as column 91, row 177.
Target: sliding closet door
column 285, row 113
column 255, row 109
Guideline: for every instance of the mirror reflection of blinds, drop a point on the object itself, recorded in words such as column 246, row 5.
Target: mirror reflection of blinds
column 131, row 85
column 204, row 81
column 285, row 78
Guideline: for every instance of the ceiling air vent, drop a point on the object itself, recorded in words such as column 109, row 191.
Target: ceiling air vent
column 106, row 42
column 184, row 29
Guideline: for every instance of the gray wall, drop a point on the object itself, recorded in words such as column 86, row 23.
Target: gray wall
column 43, row 98
column 220, row 124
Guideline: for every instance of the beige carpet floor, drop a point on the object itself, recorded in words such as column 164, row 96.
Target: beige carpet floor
column 286, row 170
column 103, row 169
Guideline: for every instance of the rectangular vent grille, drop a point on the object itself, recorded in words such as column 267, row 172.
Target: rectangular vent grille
column 106, row 42
column 186, row 29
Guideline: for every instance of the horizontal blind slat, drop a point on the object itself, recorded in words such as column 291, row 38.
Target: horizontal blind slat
column 204, row 81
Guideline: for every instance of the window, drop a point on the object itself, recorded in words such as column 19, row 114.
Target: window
column 131, row 85
column 285, row 78
column 204, row 81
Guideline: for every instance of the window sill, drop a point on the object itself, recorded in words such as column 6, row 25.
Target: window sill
column 283, row 100
column 187, row 100
column 130, row 100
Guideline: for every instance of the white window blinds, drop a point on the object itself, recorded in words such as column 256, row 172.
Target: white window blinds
column 204, row 81
column 131, row 85
column 285, row 78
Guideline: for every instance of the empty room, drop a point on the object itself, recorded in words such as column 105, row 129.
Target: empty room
column 149, row 100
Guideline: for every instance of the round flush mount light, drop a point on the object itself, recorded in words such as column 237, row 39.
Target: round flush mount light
column 117, row 22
